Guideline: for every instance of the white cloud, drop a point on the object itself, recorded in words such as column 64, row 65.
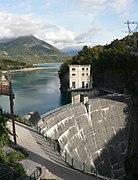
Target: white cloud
column 12, row 25
column 65, row 38
column 78, row 40
column 86, row 36
column 77, row 46
column 60, row 35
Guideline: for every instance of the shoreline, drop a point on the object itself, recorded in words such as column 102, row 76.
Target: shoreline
column 23, row 70
column 47, row 63
column 29, row 69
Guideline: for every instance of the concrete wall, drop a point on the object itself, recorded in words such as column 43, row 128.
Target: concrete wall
column 95, row 134
column 77, row 97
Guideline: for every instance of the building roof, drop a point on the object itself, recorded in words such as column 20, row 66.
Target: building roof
column 79, row 65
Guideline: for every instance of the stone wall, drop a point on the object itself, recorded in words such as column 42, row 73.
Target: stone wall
column 96, row 134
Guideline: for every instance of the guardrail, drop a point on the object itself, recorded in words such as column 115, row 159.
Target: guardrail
column 34, row 176
column 55, row 110
column 73, row 162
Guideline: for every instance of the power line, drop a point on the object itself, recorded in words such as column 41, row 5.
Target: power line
column 130, row 30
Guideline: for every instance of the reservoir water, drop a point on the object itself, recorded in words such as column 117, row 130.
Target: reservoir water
column 36, row 90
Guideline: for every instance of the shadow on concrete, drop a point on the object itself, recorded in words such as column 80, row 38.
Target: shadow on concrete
column 59, row 170
column 110, row 162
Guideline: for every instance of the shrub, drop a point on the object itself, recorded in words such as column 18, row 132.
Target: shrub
column 2, row 157
column 19, row 169
column 4, row 138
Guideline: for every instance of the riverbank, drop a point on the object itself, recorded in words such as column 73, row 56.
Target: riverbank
column 23, row 70
column 36, row 67
column 47, row 63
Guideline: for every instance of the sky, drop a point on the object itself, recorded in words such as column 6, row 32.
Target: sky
column 68, row 24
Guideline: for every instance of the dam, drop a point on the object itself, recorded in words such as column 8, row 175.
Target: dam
column 93, row 137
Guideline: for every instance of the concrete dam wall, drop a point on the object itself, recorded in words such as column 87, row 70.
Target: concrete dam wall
column 94, row 134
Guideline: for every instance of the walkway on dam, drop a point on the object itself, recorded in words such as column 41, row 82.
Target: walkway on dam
column 41, row 154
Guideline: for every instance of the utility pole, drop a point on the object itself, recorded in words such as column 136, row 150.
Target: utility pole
column 132, row 31
column 11, row 97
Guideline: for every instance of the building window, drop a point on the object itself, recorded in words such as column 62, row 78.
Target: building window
column 86, row 74
column 87, row 69
column 73, row 74
column 73, row 69
column 83, row 74
column 87, row 85
column 82, row 84
column 83, row 69
column 73, row 84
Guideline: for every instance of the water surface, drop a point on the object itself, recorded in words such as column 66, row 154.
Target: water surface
column 35, row 91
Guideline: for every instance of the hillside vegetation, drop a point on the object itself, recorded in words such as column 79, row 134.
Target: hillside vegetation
column 12, row 64
column 114, row 66
column 8, row 156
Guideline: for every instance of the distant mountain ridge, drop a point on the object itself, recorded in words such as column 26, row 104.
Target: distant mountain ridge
column 71, row 52
column 31, row 49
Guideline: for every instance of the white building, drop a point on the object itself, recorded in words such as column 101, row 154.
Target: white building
column 79, row 77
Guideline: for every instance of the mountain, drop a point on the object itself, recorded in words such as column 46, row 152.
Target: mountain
column 31, row 50
column 71, row 51
column 4, row 40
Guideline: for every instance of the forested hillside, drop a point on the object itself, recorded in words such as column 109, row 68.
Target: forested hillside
column 114, row 66
column 6, row 64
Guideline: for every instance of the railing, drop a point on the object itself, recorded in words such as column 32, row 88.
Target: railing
column 73, row 162
column 82, row 166
column 85, row 88
column 55, row 110
column 43, row 116
column 34, row 176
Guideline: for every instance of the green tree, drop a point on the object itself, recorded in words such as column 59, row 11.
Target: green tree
column 63, row 75
column 117, row 57
column 4, row 138
column 83, row 57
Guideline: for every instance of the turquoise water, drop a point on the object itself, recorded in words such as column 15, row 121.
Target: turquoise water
column 35, row 91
